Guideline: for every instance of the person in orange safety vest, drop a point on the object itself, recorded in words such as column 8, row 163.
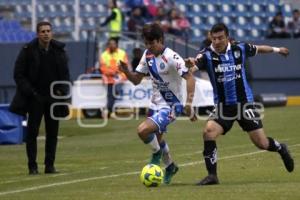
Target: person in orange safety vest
column 111, row 75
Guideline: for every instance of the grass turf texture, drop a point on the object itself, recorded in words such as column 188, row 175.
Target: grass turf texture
column 105, row 163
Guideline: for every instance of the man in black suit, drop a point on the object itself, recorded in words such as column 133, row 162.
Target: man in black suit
column 40, row 63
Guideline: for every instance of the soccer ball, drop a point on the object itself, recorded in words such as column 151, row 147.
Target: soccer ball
column 152, row 175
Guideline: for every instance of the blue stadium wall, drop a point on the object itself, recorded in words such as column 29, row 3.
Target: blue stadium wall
column 268, row 73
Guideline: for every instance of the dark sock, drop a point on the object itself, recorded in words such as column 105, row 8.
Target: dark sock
column 210, row 156
column 149, row 138
column 273, row 145
column 162, row 144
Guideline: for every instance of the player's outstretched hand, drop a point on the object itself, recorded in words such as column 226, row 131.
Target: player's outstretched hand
column 189, row 62
column 123, row 67
column 189, row 111
column 284, row 51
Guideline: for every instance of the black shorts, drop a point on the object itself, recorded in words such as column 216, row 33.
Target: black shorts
column 246, row 115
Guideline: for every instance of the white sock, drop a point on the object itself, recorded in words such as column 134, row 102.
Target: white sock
column 154, row 144
column 166, row 156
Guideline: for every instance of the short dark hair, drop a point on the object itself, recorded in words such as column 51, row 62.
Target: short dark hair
column 295, row 10
column 219, row 27
column 43, row 23
column 112, row 39
column 152, row 31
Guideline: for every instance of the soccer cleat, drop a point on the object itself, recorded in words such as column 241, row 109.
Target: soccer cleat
column 286, row 157
column 170, row 171
column 156, row 158
column 209, row 180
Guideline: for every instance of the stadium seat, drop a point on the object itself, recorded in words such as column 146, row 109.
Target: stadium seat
column 226, row 9
column 241, row 9
column 210, row 9
column 254, row 33
column 56, row 22
column 196, row 8
column 10, row 25
column 101, row 8
column 66, row 10
column 241, row 22
column 196, row 35
column 271, row 10
column 11, row 37
column 3, row 37
column 257, row 9
column 19, row 37
column 15, row 25
column 23, row 11
column 257, row 22
column 197, row 32
column 240, row 34
column 182, row 7
column 226, row 20
column 196, row 21
column 28, row 36
column 211, row 20
column 88, row 24
column 89, row 10
column 286, row 10
column 91, row 21
column 43, row 10
column 68, row 21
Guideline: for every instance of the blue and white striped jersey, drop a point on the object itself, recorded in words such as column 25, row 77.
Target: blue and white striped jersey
column 166, row 71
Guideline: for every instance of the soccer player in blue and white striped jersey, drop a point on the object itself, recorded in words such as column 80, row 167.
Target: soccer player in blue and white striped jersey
column 167, row 71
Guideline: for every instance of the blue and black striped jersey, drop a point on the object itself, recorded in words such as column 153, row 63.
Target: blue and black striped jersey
column 227, row 72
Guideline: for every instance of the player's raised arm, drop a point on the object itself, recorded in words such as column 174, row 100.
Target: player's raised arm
column 268, row 49
column 134, row 77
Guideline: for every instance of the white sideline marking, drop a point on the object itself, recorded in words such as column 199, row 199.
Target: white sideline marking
column 66, row 183
column 118, row 175
column 50, row 176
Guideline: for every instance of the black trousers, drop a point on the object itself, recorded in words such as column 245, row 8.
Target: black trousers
column 110, row 97
column 37, row 110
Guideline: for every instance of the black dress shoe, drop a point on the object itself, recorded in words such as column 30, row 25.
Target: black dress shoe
column 33, row 171
column 50, row 170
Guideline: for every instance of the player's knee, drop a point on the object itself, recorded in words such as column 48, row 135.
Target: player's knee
column 209, row 133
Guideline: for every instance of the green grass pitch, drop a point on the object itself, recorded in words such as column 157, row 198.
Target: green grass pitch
column 104, row 163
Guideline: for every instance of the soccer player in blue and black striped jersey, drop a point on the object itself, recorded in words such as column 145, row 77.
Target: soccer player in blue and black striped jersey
column 225, row 64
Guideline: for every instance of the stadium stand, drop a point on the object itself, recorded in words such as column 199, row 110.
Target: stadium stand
column 11, row 31
column 237, row 14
